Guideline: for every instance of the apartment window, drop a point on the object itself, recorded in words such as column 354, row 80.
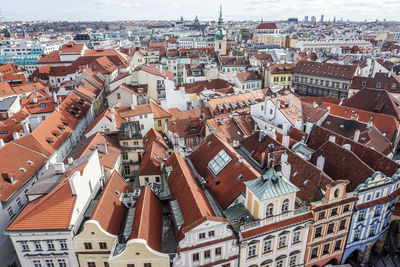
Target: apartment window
column 88, row 245
column 334, row 212
column 25, row 246
column 357, row 233
column 147, row 265
column 361, row 215
column 63, row 245
column 195, row 257
column 207, row 254
column 218, row 252
column 127, row 170
column 252, row 251
column 10, row 212
column 37, row 263
column 267, row 246
column 282, row 242
column 159, row 123
column 135, row 143
column 106, row 264
column 330, row 228
column 49, row 263
column 202, row 235
column 342, row 225
column 50, row 245
column 314, row 253
column 279, row 263
column 157, row 179
column 62, row 263
column 270, row 210
column 321, row 215
column 318, row 232
column 296, row 237
column 293, row 261
column 338, row 245
column 118, row 96
column 130, row 265
column 19, row 203
column 326, row 249
column 346, row 208
column 377, row 212
column 211, row 234
column 372, row 230
column 124, row 156
column 91, row 264
column 38, row 247
column 285, row 206
column 103, row 245
column 125, row 144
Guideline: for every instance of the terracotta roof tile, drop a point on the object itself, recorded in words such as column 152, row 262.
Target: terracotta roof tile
column 326, row 69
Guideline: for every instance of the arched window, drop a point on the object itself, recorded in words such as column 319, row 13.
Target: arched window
column 285, row 205
column 270, row 210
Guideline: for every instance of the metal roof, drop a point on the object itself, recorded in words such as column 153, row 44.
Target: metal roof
column 272, row 184
column 5, row 103
column 176, row 211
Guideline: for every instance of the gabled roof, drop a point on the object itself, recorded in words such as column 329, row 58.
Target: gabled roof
column 245, row 76
column 103, row 65
column 189, row 114
column 148, row 221
column 106, row 114
column 154, row 136
column 186, row 127
column 71, row 48
column 154, row 108
column 155, row 71
column 6, row 90
column 110, row 211
column 381, row 81
column 192, row 201
column 152, row 159
column 52, row 57
column 267, row 25
column 384, row 123
column 373, row 100
column 230, row 179
column 51, row 211
column 88, row 145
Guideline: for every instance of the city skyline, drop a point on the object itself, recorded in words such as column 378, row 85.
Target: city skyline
column 113, row 10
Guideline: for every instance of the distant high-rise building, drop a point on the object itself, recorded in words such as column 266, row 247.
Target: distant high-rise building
column 306, row 18
column 322, row 18
column 313, row 19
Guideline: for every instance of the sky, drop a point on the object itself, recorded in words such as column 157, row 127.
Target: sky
column 109, row 10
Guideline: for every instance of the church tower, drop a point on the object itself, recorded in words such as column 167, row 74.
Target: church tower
column 220, row 36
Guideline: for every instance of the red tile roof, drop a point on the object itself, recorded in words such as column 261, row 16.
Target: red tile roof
column 152, row 159
column 192, row 201
column 381, row 81
column 326, row 69
column 267, row 25
column 154, row 136
column 229, row 186
column 52, row 57
column 71, row 48
column 198, row 87
column 110, row 211
column 107, row 114
column 245, row 76
column 155, row 71
column 147, row 223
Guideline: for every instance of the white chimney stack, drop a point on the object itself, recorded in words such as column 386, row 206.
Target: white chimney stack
column 132, row 106
column 314, row 104
column 55, row 97
column 59, row 167
column 16, row 135
column 27, row 130
column 357, row 135
column 70, row 160
column 113, row 120
column 347, row 146
column 332, row 138
column 1, row 142
column 320, row 162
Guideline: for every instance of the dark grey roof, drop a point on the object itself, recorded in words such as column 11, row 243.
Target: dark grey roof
column 5, row 103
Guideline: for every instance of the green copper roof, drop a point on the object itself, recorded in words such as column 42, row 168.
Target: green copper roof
column 271, row 185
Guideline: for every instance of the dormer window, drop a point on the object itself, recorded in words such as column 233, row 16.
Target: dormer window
column 363, row 84
column 378, row 85
column 393, row 86
column 22, row 169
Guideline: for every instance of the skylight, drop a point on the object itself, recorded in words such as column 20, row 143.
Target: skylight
column 217, row 164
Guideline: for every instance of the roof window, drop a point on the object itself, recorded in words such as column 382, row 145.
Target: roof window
column 220, row 160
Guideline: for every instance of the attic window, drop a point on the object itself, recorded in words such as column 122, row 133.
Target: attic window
column 219, row 162
column 328, row 122
column 240, row 176
column 50, row 141
column 393, row 86
column 306, row 182
column 42, row 105
column 65, row 123
column 345, row 112
column 363, row 84
column 61, row 127
column 363, row 139
column 378, row 85
column 29, row 162
column 116, row 192
column 372, row 117
column 217, row 182
column 295, row 173
column 341, row 126
column 22, row 169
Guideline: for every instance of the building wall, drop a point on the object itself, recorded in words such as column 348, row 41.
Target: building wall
column 93, row 233
column 139, row 253
column 122, row 98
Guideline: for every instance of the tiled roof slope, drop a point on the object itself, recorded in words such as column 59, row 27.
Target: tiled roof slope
column 110, row 211
column 326, row 69
column 230, row 186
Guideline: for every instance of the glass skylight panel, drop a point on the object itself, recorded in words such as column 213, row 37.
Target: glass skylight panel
column 220, row 160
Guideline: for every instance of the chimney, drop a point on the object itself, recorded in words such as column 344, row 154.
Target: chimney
column 57, row 109
column 347, row 146
column 113, row 120
column 55, row 97
column 314, row 104
column 263, row 159
column 102, row 148
column 285, row 128
column 285, row 141
column 70, row 160
column 27, row 130
column 320, row 162
column 357, row 135
column 47, row 90
column 132, row 106
column 332, row 138
column 1, row 142
column 286, row 168
column 290, row 102
column 16, row 135
column 59, row 167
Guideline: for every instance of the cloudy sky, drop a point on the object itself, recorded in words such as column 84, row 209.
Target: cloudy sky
column 75, row 10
